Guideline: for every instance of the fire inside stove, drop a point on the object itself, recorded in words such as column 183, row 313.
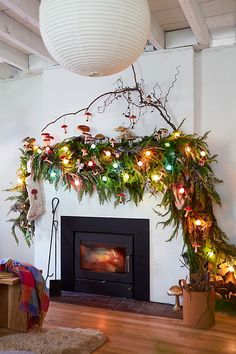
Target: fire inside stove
column 102, row 258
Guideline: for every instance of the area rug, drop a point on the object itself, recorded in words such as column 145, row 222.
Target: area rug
column 55, row 341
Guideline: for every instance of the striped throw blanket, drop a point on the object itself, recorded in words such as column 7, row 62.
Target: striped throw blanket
column 34, row 293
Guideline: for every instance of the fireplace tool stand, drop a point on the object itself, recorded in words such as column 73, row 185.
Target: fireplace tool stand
column 54, row 284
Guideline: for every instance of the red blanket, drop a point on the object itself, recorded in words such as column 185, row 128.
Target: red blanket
column 34, row 293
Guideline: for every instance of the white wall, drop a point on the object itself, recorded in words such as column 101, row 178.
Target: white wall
column 20, row 112
column 216, row 111
column 64, row 92
column 210, row 77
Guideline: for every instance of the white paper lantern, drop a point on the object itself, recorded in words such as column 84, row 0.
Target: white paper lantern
column 95, row 37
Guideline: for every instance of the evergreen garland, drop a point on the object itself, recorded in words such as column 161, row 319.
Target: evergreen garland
column 177, row 166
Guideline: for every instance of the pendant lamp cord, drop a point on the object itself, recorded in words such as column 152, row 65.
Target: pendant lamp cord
column 54, row 230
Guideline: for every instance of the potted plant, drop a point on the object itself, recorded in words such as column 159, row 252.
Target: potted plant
column 198, row 293
column 190, row 200
column 203, row 259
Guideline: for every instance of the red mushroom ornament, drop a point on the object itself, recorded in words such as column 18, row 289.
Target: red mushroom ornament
column 87, row 116
column 187, row 209
column 121, row 197
column 64, row 126
column 34, row 192
column 196, row 246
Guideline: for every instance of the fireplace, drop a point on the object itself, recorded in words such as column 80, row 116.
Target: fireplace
column 105, row 256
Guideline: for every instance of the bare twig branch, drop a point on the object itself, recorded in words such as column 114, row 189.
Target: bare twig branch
column 125, row 93
column 172, row 85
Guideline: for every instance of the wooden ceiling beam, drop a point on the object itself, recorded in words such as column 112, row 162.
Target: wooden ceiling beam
column 157, row 34
column 192, row 11
column 18, row 35
column 7, row 71
column 13, row 56
column 28, row 10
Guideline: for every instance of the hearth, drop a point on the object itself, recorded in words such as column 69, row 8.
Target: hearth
column 108, row 256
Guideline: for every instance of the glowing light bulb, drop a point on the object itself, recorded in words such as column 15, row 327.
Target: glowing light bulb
column 65, row 161
column 148, row 153
column 53, row 174
column 176, row 134
column 202, row 153
column 90, row 163
column 126, row 177
column 77, row 182
column 140, row 163
column 167, row 144
column 168, row 167
column 65, row 148
column 181, row 190
column 93, row 146
column 104, row 178
column 156, row 177
column 115, row 165
column 198, row 222
column 188, row 149
column 20, row 180
column 107, row 153
column 211, row 254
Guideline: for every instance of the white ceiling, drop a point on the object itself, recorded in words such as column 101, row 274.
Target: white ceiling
column 204, row 21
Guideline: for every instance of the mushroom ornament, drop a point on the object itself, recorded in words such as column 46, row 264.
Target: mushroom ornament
column 35, row 198
column 176, row 291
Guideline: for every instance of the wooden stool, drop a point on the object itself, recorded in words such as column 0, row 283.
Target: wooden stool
column 11, row 317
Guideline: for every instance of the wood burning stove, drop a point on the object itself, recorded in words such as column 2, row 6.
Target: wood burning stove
column 106, row 256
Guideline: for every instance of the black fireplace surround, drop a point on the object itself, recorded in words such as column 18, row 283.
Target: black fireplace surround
column 86, row 240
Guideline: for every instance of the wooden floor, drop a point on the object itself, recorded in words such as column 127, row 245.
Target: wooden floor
column 141, row 334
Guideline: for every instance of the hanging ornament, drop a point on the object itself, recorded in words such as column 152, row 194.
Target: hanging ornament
column 195, row 245
column 64, row 126
column 121, row 197
column 187, row 209
column 95, row 38
column 87, row 115
column 133, row 120
column 35, row 198
column 112, row 141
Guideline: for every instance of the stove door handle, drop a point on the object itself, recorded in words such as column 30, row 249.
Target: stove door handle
column 127, row 264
